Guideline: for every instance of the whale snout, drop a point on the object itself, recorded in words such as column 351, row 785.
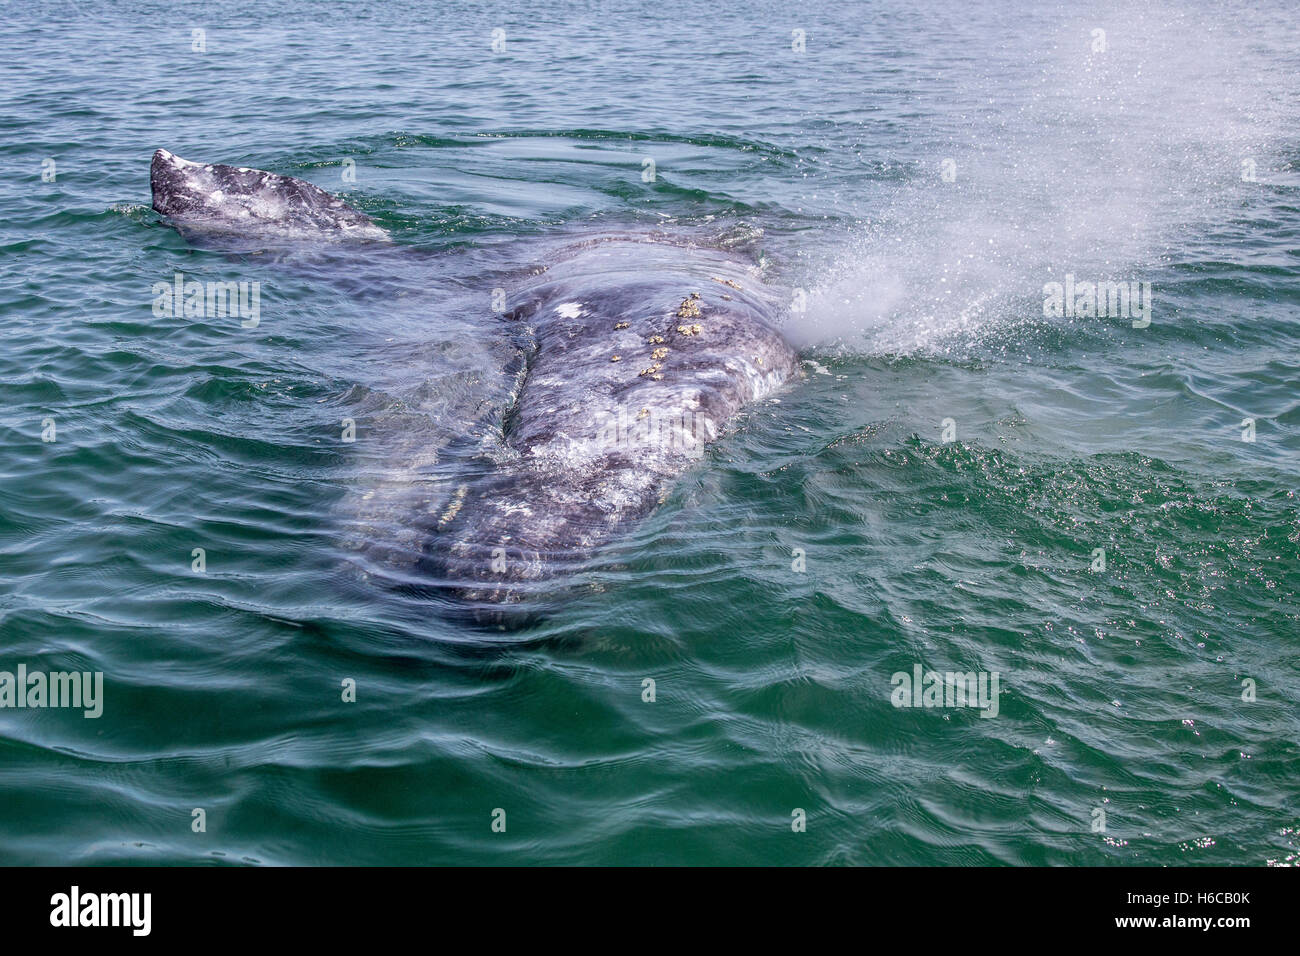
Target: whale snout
column 168, row 182
column 251, row 203
column 159, row 170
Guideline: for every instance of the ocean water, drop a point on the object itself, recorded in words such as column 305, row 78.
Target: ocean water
column 1103, row 514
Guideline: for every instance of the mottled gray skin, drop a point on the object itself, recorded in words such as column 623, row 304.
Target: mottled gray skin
column 600, row 424
column 236, row 200
column 592, row 444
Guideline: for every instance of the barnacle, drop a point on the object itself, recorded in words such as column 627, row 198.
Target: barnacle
column 457, row 501
column 689, row 309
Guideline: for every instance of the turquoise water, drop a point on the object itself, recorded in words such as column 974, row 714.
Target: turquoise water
column 1169, row 157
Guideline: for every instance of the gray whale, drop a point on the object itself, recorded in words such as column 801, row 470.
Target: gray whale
column 635, row 353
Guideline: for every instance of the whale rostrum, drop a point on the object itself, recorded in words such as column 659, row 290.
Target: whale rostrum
column 239, row 201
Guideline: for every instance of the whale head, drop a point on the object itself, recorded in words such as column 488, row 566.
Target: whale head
column 236, row 200
column 640, row 354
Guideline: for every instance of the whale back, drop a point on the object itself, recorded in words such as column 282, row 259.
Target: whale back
column 641, row 353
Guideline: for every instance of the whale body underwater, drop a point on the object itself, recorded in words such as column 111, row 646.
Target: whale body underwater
column 636, row 352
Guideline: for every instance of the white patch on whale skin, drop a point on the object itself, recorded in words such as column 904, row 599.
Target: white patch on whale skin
column 176, row 161
column 570, row 310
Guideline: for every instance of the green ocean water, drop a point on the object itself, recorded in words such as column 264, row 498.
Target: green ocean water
column 916, row 173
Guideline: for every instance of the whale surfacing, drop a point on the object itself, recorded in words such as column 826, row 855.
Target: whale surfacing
column 624, row 357
column 239, row 201
column 642, row 353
